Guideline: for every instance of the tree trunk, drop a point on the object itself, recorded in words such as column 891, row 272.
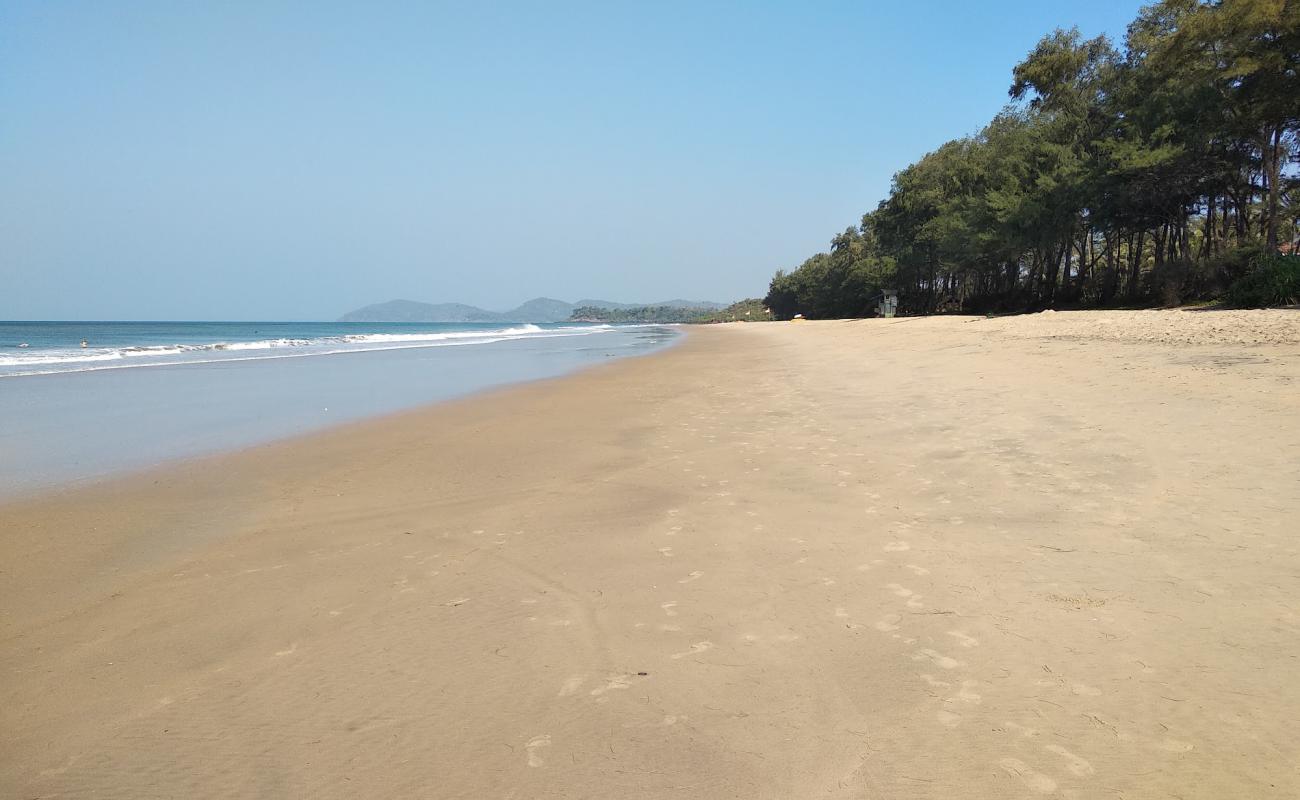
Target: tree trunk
column 1273, row 175
column 1207, row 245
column 1053, row 269
column 1110, row 281
column 1135, row 266
column 1223, row 223
column 1085, row 239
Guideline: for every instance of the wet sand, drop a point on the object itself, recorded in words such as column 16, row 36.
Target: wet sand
column 1040, row 556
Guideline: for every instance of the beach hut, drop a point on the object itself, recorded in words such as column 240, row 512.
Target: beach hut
column 888, row 303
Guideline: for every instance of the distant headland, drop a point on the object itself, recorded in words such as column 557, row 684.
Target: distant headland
column 541, row 309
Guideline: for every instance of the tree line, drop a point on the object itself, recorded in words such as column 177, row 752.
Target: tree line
column 750, row 310
column 1160, row 172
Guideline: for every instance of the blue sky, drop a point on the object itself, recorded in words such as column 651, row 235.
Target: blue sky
column 253, row 160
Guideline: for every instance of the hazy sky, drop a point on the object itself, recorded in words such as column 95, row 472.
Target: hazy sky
column 262, row 160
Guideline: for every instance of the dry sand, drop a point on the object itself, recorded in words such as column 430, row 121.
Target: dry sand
column 1043, row 556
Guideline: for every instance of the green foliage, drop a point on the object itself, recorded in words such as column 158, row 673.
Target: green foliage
column 1274, row 280
column 842, row 283
column 1231, row 265
column 749, row 310
column 637, row 314
column 1151, row 173
column 742, row 311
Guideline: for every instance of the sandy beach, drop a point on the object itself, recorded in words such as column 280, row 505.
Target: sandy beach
column 1052, row 555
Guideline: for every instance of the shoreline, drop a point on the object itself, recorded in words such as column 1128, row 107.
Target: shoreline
column 214, row 460
column 925, row 558
column 84, row 427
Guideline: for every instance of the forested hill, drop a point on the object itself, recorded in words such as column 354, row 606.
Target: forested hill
column 1158, row 171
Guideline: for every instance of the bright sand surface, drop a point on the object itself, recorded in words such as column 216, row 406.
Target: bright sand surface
column 950, row 557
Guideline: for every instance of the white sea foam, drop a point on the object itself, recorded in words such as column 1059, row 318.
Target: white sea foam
column 265, row 344
column 43, row 362
column 438, row 337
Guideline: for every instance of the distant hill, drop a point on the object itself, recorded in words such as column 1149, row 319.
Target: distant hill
column 411, row 311
column 540, row 309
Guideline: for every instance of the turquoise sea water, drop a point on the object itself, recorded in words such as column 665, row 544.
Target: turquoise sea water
column 140, row 394
column 30, row 348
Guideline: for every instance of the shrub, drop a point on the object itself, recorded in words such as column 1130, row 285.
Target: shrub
column 1172, row 282
column 1273, row 280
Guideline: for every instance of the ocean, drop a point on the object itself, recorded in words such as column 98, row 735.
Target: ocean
column 139, row 394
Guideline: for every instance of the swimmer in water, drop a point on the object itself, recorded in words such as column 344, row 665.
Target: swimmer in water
column 83, row 343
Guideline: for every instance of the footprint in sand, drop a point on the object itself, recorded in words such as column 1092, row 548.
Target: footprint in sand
column 967, row 694
column 1034, row 781
column 918, row 570
column 696, row 649
column 948, row 719
column 898, row 591
column 897, row 547
column 1023, row 730
column 1079, row 766
column 888, row 623
column 963, row 639
column 696, row 575
column 938, row 659
column 1085, row 691
column 534, row 744
column 614, row 682
column 668, row 608
column 666, row 552
column 572, row 685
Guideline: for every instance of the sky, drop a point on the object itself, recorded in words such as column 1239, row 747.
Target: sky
column 293, row 161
